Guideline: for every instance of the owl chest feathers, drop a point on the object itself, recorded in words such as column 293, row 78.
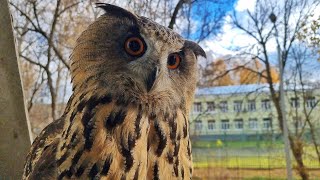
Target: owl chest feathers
column 110, row 139
column 133, row 83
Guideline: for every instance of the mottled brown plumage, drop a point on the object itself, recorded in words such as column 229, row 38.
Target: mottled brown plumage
column 128, row 115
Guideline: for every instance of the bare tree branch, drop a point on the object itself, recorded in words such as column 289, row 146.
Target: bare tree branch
column 175, row 13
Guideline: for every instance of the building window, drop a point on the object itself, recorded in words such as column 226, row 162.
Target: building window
column 253, row 124
column 225, row 125
column 267, row 123
column 251, row 105
column 197, row 108
column 198, row 125
column 265, row 104
column 224, row 106
column 237, row 106
column 297, row 122
column 238, row 124
column 211, row 124
column 210, row 106
column 311, row 102
column 295, row 103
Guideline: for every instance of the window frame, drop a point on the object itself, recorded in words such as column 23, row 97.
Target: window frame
column 311, row 102
column 266, row 104
column 211, row 123
column 212, row 106
column 197, row 107
column 256, row 124
column 225, row 123
column 223, row 106
column 250, row 105
column 237, row 106
column 198, row 125
column 295, row 102
column 270, row 126
column 237, row 123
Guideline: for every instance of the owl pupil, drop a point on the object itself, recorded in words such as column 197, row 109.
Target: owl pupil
column 134, row 46
column 171, row 60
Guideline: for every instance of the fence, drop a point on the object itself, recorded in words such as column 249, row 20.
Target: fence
column 247, row 160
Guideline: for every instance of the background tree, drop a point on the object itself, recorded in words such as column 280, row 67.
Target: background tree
column 290, row 15
column 304, row 122
column 45, row 42
column 236, row 71
column 310, row 32
column 215, row 74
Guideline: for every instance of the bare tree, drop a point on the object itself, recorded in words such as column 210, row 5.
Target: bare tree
column 304, row 89
column 195, row 19
column 310, row 32
column 290, row 14
column 44, row 44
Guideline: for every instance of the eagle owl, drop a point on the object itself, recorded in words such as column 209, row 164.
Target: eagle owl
column 133, row 84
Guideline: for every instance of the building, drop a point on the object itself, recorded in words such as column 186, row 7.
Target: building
column 239, row 112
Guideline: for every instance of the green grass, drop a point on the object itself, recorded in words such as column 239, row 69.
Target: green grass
column 239, row 160
column 262, row 162
column 243, row 162
column 263, row 178
column 238, row 144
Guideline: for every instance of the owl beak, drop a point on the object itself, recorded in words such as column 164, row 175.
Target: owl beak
column 197, row 50
column 151, row 78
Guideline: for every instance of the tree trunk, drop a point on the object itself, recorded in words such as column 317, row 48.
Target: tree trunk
column 14, row 127
column 295, row 144
column 297, row 150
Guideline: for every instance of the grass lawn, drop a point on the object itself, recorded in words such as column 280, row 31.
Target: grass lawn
column 237, row 144
column 262, row 162
column 242, row 162
column 244, row 155
column 248, row 174
column 249, row 160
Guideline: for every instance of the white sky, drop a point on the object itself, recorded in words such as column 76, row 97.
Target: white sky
column 243, row 5
column 231, row 37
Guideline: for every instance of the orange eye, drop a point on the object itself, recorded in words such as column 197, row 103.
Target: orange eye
column 174, row 61
column 134, row 46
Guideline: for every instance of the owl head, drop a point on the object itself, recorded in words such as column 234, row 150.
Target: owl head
column 136, row 60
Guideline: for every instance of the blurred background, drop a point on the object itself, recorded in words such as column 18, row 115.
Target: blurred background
column 238, row 118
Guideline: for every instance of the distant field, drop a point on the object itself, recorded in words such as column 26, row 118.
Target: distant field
column 247, row 174
column 238, row 144
column 262, row 162
column 246, row 159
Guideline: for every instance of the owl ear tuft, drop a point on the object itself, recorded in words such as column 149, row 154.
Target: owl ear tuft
column 197, row 50
column 116, row 11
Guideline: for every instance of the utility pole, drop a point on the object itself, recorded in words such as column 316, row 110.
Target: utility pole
column 273, row 19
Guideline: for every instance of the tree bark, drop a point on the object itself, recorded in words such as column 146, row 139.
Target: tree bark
column 297, row 151
column 175, row 13
column 15, row 133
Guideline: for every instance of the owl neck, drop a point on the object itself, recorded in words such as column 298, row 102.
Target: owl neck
column 104, row 137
